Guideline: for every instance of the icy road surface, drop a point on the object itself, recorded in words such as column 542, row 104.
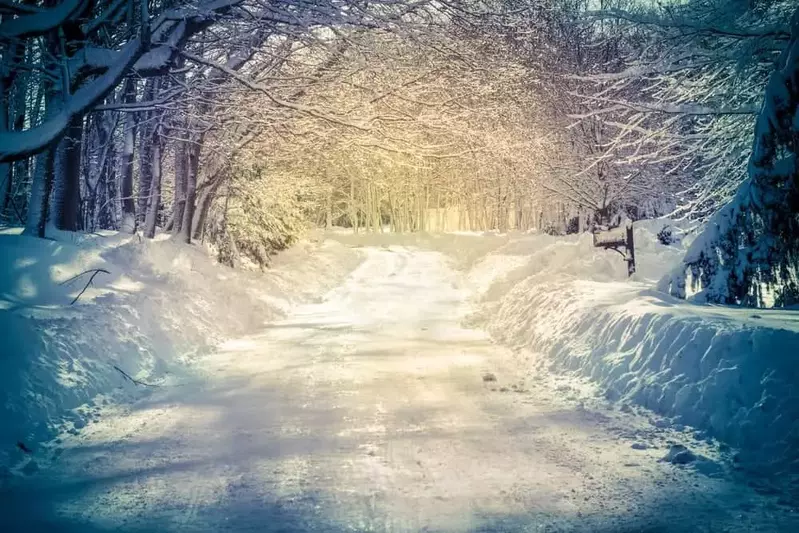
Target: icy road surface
column 372, row 410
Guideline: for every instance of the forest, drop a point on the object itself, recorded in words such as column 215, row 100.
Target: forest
column 239, row 123
column 399, row 266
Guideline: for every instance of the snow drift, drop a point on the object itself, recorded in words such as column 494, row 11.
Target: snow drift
column 730, row 372
column 160, row 304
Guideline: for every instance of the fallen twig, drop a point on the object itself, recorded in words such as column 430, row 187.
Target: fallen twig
column 134, row 380
column 25, row 449
column 95, row 272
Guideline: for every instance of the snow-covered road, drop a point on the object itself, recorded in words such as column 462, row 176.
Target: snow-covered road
column 369, row 411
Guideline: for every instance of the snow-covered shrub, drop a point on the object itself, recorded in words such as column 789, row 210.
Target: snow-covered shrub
column 262, row 215
column 551, row 228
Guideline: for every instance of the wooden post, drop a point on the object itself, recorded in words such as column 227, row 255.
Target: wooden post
column 615, row 241
column 630, row 251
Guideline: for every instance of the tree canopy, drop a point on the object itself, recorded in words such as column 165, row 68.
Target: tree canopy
column 241, row 122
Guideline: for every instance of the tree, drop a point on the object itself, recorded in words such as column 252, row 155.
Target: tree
column 85, row 72
column 65, row 62
column 749, row 252
column 88, row 48
column 684, row 93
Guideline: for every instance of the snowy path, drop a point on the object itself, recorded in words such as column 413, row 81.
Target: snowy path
column 368, row 412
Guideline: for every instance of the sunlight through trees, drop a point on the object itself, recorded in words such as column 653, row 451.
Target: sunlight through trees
column 241, row 122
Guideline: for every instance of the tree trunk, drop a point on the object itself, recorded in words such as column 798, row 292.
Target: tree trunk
column 181, row 179
column 201, row 214
column 146, row 141
column 154, row 200
column 6, row 186
column 9, row 111
column 353, row 211
column 193, row 158
column 104, row 216
column 66, row 186
column 126, row 161
column 42, row 185
column 145, row 172
column 5, row 168
column 41, row 188
column 204, row 204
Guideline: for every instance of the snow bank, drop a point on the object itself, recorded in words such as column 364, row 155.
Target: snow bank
column 733, row 373
column 160, row 304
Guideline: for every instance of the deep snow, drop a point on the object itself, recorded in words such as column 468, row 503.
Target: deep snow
column 731, row 374
column 371, row 410
column 161, row 305
column 382, row 405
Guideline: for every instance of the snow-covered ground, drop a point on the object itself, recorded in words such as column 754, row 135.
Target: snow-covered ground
column 376, row 409
column 159, row 306
column 727, row 373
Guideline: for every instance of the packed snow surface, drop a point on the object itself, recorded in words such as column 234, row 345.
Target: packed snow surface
column 377, row 409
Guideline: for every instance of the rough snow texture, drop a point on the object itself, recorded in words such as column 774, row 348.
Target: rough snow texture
column 162, row 304
column 368, row 411
column 730, row 372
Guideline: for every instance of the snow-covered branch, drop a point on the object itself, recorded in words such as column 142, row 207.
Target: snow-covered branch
column 688, row 109
column 265, row 90
column 103, row 69
column 41, row 22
